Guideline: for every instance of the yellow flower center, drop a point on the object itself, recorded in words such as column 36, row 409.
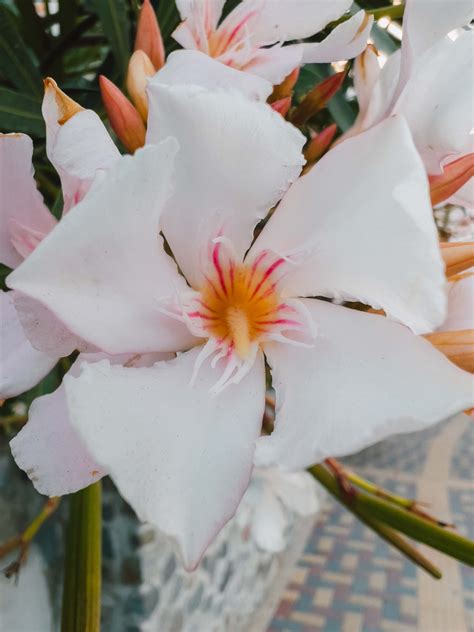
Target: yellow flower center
column 240, row 304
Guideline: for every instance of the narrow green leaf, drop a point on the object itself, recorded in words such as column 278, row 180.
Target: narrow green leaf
column 17, row 62
column 19, row 112
column 421, row 530
column 82, row 568
column 113, row 15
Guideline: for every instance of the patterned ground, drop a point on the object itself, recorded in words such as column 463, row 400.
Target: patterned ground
column 347, row 580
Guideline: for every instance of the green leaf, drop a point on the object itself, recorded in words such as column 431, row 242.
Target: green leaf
column 168, row 19
column 17, row 62
column 113, row 15
column 380, row 510
column 82, row 567
column 19, row 112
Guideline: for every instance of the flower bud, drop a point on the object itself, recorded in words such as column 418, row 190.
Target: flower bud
column 458, row 346
column 285, row 88
column 66, row 107
column 148, row 38
column 317, row 98
column 124, row 118
column 454, row 176
column 139, row 69
column 319, row 144
column 282, row 106
column 458, row 256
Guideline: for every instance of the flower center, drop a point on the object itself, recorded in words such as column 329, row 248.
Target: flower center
column 240, row 303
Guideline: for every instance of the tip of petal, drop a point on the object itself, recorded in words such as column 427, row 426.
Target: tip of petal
column 67, row 107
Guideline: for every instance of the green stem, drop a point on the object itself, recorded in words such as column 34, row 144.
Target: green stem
column 411, row 525
column 82, row 568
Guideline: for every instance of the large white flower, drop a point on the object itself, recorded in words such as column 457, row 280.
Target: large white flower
column 428, row 81
column 79, row 147
column 179, row 437
column 250, row 38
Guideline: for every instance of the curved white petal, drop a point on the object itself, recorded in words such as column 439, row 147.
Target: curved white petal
column 298, row 491
column 49, row 449
column 460, row 304
column 383, row 92
column 103, row 271
column 275, row 63
column 346, row 41
column 366, row 75
column 365, row 379
column 365, row 229
column 21, row 203
column 209, row 10
column 180, row 457
column 424, row 23
column 285, row 20
column 21, row 366
column 437, row 102
column 269, row 522
column 184, row 67
column 238, row 158
column 45, row 331
column 78, row 148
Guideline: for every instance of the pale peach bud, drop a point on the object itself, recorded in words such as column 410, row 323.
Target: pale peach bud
column 148, row 38
column 458, row 256
column 123, row 116
column 139, row 69
column 458, row 346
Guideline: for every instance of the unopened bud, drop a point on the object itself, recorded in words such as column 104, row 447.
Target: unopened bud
column 319, row 144
column 66, row 107
column 148, row 38
column 139, row 69
column 454, row 176
column 123, row 116
column 317, row 98
column 458, row 346
column 458, row 256
column 282, row 106
column 285, row 88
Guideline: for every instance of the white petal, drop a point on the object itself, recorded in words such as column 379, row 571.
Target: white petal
column 193, row 67
column 180, row 457
column 269, row 523
column 298, row 491
column 45, row 331
column 366, row 378
column 275, row 63
column 284, row 20
column 383, row 92
column 50, row 450
column 238, row 158
column 346, row 41
column 424, row 23
column 20, row 200
column 78, row 148
column 365, row 229
column 21, row 366
column 366, row 74
column 103, row 270
column 437, row 102
column 460, row 304
column 211, row 9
